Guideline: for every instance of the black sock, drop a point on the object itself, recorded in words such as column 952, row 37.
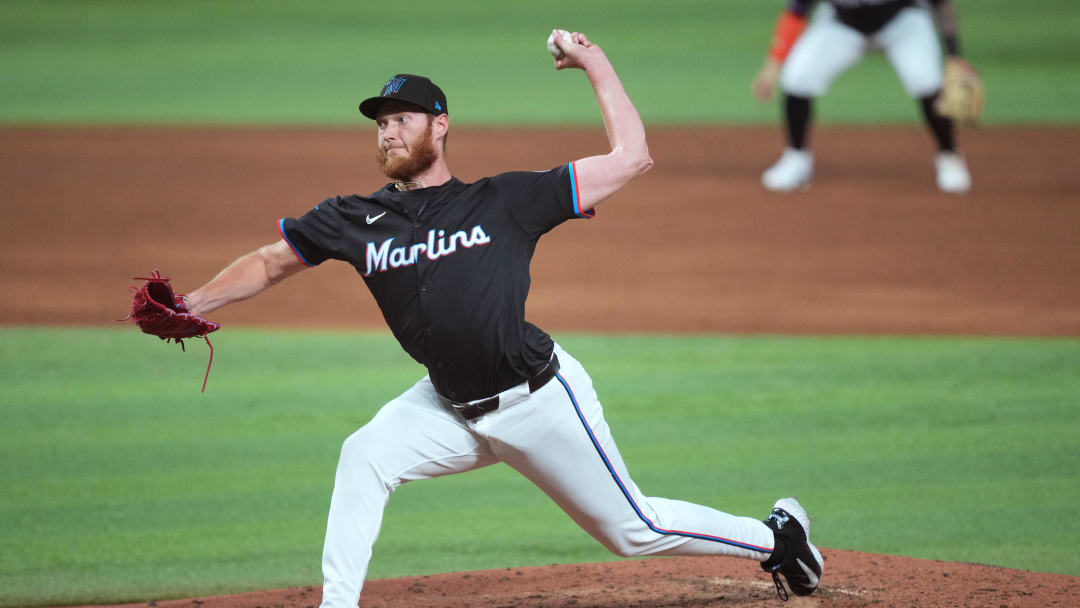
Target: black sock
column 940, row 126
column 776, row 558
column 797, row 118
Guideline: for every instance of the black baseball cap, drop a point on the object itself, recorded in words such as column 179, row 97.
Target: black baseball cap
column 410, row 88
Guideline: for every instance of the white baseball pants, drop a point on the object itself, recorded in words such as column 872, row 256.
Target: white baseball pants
column 829, row 48
column 556, row 437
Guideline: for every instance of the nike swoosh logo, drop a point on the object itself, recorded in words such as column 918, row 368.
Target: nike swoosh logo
column 814, row 580
column 371, row 220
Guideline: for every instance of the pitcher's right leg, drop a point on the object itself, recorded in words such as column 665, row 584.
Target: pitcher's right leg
column 561, row 442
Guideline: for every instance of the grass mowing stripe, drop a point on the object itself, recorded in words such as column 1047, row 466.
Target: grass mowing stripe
column 123, row 483
column 283, row 62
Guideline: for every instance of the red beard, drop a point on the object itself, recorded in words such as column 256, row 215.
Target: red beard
column 404, row 168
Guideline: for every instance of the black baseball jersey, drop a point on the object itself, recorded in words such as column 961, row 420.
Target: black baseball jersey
column 449, row 268
column 867, row 16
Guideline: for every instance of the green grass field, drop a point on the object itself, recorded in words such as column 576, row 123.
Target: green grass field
column 121, row 482
column 283, row 62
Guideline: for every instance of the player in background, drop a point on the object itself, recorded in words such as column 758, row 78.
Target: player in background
column 447, row 263
column 805, row 60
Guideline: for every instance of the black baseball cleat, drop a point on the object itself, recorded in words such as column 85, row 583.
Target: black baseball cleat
column 793, row 555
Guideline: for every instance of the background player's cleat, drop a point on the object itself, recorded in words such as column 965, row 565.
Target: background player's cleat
column 792, row 171
column 793, row 556
column 952, row 173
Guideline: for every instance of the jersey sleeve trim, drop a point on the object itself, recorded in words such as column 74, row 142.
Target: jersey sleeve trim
column 574, row 194
column 296, row 252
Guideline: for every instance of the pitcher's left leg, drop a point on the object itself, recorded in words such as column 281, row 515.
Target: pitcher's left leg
column 560, row 441
column 411, row 438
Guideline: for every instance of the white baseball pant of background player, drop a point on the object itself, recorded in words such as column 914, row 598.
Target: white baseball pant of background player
column 829, row 48
column 556, row 437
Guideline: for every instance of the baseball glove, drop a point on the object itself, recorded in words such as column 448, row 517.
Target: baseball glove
column 158, row 311
column 963, row 94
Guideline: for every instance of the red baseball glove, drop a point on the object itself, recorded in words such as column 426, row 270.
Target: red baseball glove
column 158, row 311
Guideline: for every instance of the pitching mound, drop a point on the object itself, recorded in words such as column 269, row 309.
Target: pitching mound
column 852, row 580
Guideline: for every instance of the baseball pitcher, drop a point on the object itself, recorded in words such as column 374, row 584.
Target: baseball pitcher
column 448, row 265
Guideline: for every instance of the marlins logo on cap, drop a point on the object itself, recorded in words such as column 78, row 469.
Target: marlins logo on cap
column 410, row 88
column 393, row 86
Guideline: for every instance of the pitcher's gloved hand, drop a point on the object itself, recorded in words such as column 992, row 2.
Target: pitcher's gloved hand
column 158, row 311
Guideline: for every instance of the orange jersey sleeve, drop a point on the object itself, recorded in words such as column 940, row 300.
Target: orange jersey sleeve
column 789, row 26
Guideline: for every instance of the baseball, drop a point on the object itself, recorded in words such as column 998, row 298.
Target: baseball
column 554, row 50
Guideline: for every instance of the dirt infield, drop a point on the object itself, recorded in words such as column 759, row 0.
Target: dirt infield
column 855, row 580
column 693, row 246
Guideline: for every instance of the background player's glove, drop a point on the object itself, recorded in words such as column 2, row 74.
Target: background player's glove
column 963, row 93
column 158, row 311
